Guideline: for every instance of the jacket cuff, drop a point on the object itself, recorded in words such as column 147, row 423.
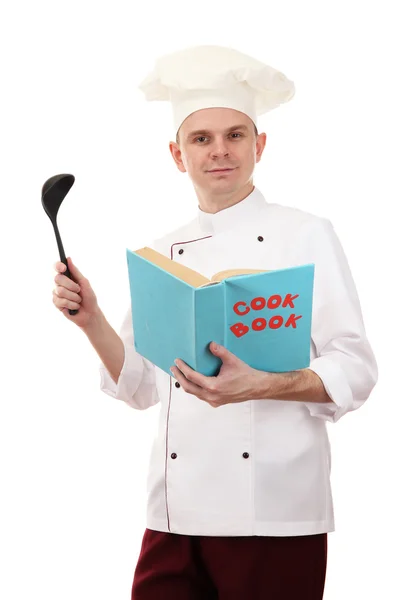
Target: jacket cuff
column 337, row 388
column 129, row 378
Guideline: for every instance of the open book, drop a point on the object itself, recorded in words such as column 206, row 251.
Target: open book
column 191, row 277
column 263, row 317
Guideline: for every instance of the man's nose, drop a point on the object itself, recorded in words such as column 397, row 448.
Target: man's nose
column 219, row 147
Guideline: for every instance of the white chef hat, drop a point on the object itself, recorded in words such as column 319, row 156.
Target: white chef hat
column 213, row 76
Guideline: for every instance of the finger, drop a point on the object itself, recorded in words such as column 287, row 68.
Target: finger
column 75, row 272
column 188, row 386
column 59, row 266
column 66, row 282
column 194, row 376
column 62, row 292
column 62, row 303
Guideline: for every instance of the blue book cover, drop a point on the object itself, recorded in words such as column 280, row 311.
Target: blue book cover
column 263, row 317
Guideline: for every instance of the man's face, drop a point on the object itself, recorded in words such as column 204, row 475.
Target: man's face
column 218, row 138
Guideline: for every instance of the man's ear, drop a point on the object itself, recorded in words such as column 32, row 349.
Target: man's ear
column 260, row 145
column 176, row 153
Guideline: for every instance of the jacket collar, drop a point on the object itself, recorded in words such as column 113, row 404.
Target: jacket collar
column 228, row 218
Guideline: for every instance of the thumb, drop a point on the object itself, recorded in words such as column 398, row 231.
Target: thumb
column 75, row 272
column 220, row 351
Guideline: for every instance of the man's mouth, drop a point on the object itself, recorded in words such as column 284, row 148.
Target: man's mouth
column 221, row 170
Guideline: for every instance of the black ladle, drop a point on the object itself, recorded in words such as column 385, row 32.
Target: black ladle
column 54, row 191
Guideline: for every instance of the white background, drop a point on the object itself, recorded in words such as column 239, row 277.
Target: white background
column 73, row 460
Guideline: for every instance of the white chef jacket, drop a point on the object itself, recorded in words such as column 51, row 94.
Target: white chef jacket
column 259, row 467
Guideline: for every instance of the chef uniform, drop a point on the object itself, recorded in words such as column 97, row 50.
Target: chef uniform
column 239, row 497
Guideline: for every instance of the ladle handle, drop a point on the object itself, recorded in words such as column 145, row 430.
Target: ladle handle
column 72, row 311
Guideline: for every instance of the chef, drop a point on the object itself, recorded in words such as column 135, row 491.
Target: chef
column 239, row 494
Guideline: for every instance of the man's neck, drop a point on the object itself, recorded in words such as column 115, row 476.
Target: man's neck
column 214, row 203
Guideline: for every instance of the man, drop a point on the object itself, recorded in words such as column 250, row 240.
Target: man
column 239, row 497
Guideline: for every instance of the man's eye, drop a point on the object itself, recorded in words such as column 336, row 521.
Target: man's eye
column 203, row 137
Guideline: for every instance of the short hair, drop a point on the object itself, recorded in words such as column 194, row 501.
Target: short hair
column 255, row 131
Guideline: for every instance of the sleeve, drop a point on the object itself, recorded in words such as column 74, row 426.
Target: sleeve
column 137, row 382
column 345, row 362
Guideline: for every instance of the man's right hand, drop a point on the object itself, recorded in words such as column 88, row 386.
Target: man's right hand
column 75, row 293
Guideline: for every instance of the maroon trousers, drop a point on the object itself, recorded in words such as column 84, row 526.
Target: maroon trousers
column 186, row 567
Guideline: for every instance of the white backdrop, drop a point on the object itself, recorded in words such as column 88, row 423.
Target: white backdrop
column 73, row 460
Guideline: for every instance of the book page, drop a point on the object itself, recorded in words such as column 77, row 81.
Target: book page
column 233, row 273
column 188, row 275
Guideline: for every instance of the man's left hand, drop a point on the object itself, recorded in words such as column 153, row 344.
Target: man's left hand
column 235, row 382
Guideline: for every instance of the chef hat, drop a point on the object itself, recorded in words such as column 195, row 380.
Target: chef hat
column 213, row 76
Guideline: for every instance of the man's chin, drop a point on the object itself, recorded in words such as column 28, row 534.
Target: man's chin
column 223, row 187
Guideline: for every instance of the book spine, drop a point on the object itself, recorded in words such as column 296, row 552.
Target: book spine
column 209, row 311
